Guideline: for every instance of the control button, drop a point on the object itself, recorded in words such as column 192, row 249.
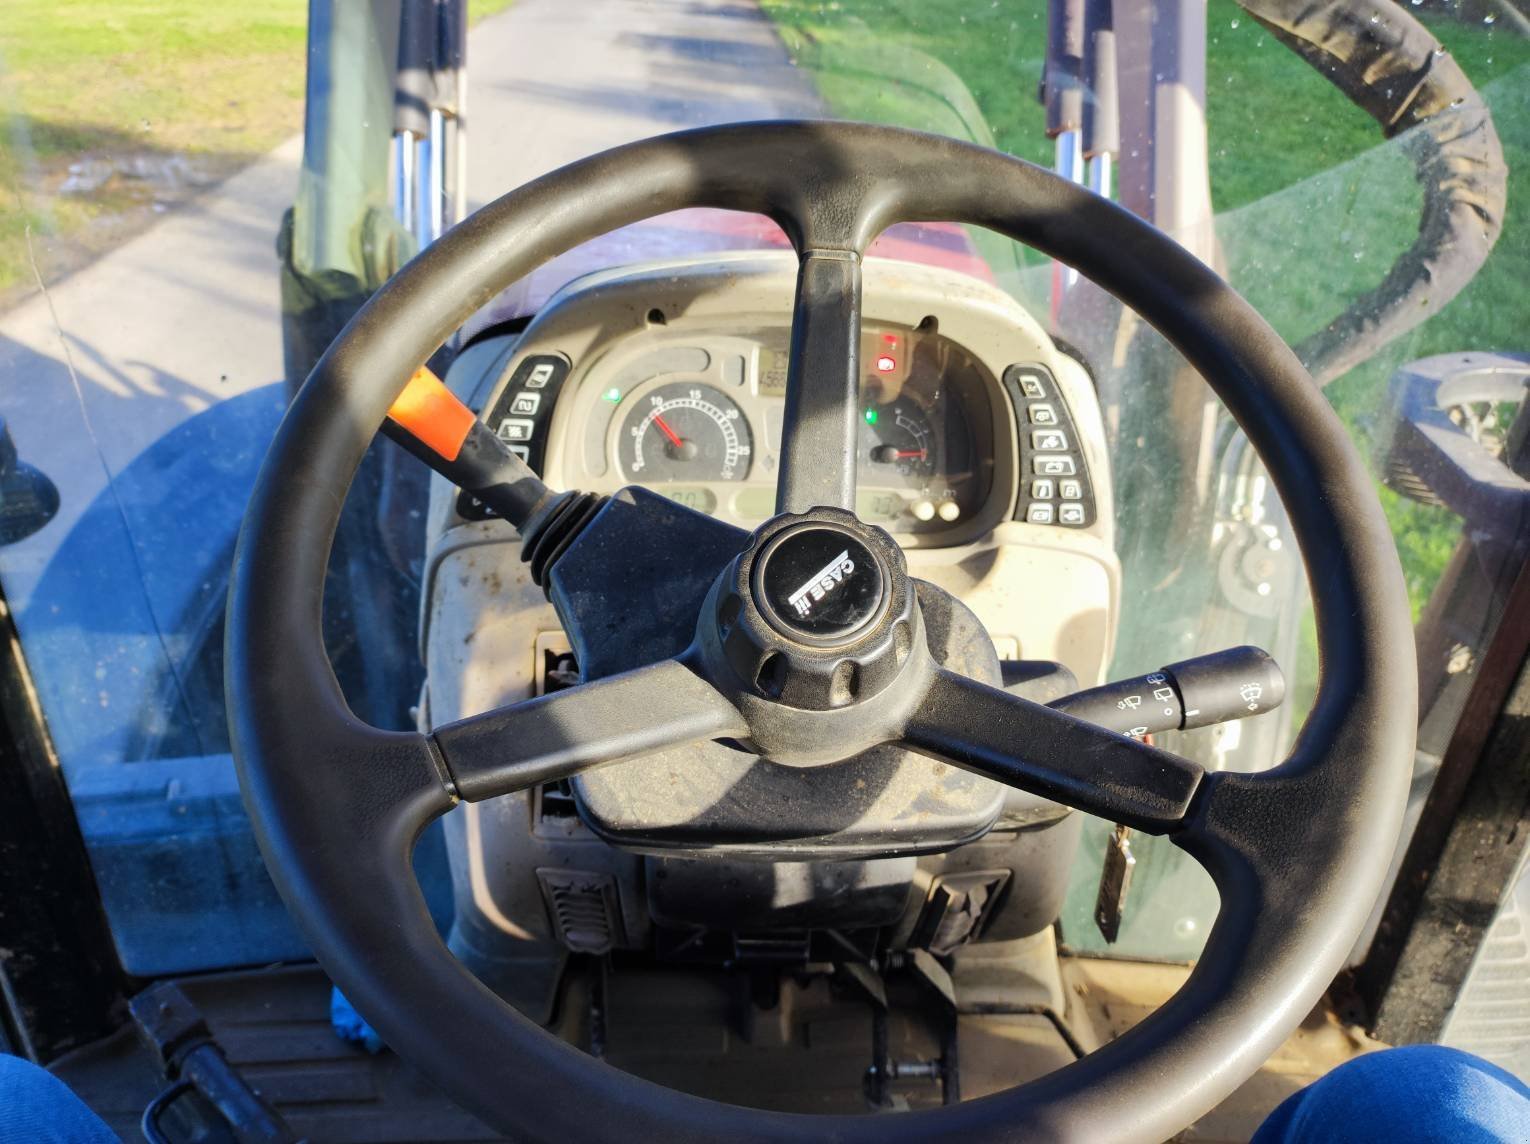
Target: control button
column 922, row 510
column 518, row 429
column 1043, row 415
column 1038, row 514
column 522, row 451
column 1032, row 386
column 526, row 403
column 1070, row 512
column 1071, row 490
column 540, row 375
column 1044, row 488
column 1049, row 440
column 1053, row 466
column 949, row 510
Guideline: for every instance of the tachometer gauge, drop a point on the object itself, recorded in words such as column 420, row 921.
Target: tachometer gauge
column 898, row 438
column 685, row 432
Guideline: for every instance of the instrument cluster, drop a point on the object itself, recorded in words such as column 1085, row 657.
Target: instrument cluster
column 700, row 420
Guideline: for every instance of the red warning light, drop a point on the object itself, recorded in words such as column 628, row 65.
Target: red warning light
column 890, row 339
column 886, row 364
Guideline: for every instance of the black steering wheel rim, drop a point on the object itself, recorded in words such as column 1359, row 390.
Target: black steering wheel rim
column 1298, row 854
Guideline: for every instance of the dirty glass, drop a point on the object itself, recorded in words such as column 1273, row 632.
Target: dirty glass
column 148, row 343
column 1312, row 210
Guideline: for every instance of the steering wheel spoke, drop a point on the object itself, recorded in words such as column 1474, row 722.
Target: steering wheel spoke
column 558, row 735
column 822, row 415
column 1047, row 752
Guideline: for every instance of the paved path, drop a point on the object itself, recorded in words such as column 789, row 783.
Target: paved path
column 145, row 385
column 555, row 80
column 186, row 315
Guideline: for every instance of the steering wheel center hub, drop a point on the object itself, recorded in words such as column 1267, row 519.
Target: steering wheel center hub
column 820, row 584
column 817, row 613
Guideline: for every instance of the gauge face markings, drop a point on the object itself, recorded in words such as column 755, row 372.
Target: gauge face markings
column 682, row 431
column 900, row 437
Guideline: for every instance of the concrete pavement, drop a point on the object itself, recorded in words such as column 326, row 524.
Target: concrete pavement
column 147, row 385
column 187, row 315
column 551, row 81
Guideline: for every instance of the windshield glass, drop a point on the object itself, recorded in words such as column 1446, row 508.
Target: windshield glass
column 199, row 195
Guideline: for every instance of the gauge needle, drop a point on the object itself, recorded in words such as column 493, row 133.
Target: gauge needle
column 887, row 453
column 674, row 438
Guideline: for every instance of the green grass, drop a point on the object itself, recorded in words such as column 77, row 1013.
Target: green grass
column 88, row 80
column 1273, row 121
column 1295, row 182
column 1312, row 210
column 1312, row 207
column 478, row 9
column 217, row 82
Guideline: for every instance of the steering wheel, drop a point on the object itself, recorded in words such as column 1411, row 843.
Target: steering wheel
column 1298, row 853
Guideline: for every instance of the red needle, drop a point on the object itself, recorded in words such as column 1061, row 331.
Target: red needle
column 674, row 438
column 902, row 453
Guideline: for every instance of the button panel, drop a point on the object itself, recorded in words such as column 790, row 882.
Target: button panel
column 1054, row 483
column 520, row 416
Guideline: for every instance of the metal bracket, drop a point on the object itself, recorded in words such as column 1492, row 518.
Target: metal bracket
column 1115, row 883
column 173, row 1029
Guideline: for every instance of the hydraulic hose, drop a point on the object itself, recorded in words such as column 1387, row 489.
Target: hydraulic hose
column 1391, row 66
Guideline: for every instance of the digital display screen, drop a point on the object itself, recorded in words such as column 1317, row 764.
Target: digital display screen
column 755, row 502
column 878, row 504
column 758, row 502
column 700, row 499
column 773, row 365
column 884, row 356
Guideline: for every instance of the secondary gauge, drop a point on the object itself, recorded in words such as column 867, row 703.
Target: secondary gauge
column 685, row 432
column 898, row 438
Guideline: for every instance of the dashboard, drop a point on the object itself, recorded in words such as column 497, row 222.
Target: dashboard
column 981, row 448
column 689, row 399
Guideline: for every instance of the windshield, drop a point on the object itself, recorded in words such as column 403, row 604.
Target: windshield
column 199, row 195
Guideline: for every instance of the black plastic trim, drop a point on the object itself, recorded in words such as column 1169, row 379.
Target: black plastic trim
column 63, row 984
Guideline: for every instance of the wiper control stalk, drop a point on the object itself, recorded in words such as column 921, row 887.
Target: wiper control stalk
column 1233, row 684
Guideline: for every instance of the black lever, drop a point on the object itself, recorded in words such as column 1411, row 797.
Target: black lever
column 174, row 1030
column 430, row 422
column 1217, row 688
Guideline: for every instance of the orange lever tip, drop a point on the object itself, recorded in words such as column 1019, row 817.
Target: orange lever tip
column 432, row 413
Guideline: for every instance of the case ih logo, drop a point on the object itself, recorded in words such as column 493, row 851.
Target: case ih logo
column 822, row 582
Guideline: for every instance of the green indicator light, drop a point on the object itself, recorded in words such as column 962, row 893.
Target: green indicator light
column 613, row 395
column 871, row 417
